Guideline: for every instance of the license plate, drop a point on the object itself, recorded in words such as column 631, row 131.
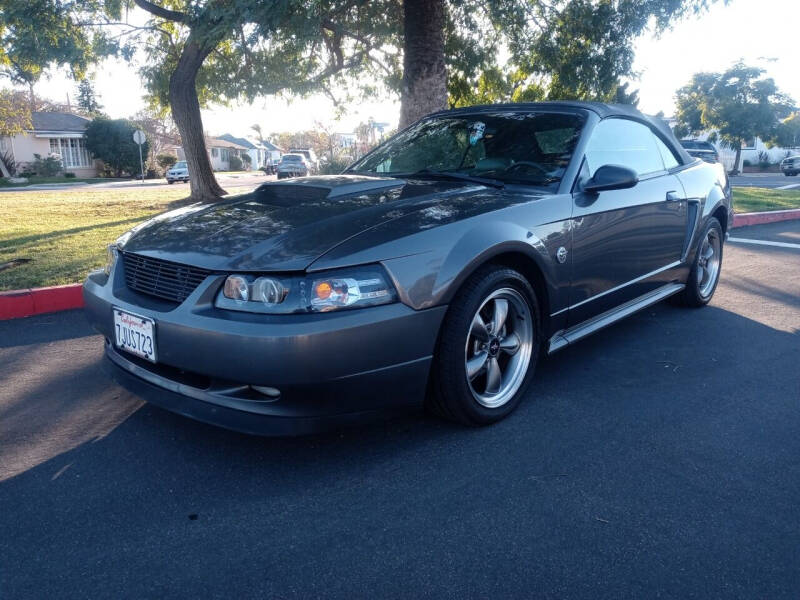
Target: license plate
column 135, row 334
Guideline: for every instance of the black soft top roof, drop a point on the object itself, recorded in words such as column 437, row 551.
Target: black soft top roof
column 601, row 109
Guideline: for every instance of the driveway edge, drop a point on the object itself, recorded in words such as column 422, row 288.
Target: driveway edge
column 37, row 301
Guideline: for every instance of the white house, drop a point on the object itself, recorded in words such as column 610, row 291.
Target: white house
column 219, row 151
column 261, row 153
column 53, row 133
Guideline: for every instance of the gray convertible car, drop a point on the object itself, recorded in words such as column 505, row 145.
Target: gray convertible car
column 436, row 270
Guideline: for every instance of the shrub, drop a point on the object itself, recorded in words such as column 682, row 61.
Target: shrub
column 69, row 175
column 235, row 163
column 165, row 161
column 46, row 167
column 335, row 166
column 747, row 163
column 763, row 159
column 111, row 140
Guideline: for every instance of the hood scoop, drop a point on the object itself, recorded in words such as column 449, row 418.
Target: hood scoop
column 307, row 190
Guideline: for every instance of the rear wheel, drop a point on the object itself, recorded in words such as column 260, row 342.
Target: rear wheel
column 704, row 276
column 487, row 349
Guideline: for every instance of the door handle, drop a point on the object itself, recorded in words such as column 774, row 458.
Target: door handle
column 673, row 197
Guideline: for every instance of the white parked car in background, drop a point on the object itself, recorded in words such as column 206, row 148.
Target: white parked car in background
column 791, row 165
column 178, row 172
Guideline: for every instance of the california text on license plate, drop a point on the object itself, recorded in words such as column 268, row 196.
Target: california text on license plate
column 135, row 334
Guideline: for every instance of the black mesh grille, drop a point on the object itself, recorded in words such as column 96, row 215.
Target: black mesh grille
column 161, row 278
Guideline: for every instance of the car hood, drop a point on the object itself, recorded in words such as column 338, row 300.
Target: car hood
column 286, row 226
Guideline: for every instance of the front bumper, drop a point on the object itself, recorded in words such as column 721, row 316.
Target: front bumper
column 329, row 368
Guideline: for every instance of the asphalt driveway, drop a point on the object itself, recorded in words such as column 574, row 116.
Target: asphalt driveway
column 658, row 458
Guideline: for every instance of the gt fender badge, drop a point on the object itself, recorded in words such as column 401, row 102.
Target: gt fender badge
column 561, row 255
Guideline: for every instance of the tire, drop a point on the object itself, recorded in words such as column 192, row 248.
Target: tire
column 703, row 278
column 170, row 181
column 464, row 347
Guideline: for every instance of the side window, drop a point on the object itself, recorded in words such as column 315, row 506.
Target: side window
column 666, row 154
column 626, row 143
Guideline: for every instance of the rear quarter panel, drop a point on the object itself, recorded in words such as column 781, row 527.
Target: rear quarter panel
column 707, row 188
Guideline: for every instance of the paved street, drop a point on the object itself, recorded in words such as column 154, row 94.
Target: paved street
column 658, row 458
column 766, row 180
column 233, row 183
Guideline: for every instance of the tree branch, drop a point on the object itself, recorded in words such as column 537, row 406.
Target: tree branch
column 160, row 11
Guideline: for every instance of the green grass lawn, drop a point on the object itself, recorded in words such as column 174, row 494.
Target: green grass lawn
column 64, row 233
column 750, row 199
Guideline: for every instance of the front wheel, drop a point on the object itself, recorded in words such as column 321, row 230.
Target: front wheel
column 704, row 276
column 487, row 349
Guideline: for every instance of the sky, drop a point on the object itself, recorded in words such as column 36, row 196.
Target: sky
column 761, row 32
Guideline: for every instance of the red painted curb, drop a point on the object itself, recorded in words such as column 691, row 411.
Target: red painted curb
column 37, row 301
column 759, row 218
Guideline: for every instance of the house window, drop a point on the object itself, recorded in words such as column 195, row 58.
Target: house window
column 224, row 154
column 214, row 152
column 72, row 151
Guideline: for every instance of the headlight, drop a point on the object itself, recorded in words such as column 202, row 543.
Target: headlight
column 317, row 292
column 112, row 253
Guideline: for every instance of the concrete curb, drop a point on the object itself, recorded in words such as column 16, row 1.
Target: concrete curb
column 37, row 301
column 759, row 218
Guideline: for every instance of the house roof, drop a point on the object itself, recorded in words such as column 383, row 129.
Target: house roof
column 270, row 146
column 241, row 141
column 221, row 142
column 248, row 144
column 57, row 121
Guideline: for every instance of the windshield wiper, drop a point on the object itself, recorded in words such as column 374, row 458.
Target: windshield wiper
column 457, row 176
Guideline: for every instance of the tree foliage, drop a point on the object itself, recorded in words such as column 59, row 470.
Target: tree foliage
column 738, row 104
column 111, row 140
column 15, row 113
column 558, row 50
column 37, row 34
column 787, row 132
column 87, row 99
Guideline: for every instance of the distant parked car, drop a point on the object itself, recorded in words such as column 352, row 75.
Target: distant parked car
column 701, row 150
column 791, row 165
column 293, row 165
column 310, row 156
column 179, row 172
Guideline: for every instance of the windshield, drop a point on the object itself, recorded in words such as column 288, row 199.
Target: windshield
column 512, row 147
column 181, row 164
column 291, row 158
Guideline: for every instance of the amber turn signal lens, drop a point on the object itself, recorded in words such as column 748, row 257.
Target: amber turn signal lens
column 323, row 290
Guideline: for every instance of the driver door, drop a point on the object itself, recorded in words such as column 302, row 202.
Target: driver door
column 625, row 242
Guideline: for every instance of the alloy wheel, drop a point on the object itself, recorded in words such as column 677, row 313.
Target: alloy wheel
column 498, row 349
column 708, row 263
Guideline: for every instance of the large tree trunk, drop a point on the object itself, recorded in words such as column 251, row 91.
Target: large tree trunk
column 186, row 112
column 424, row 73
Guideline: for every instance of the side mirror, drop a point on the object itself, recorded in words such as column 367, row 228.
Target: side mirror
column 611, row 177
